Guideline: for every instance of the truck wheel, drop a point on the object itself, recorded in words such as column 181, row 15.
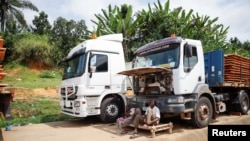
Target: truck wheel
column 109, row 110
column 202, row 115
column 243, row 102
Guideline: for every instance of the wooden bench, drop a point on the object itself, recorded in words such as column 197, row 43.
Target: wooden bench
column 153, row 129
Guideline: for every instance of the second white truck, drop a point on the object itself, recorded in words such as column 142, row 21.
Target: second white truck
column 186, row 82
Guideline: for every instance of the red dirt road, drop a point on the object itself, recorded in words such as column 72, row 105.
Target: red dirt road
column 93, row 129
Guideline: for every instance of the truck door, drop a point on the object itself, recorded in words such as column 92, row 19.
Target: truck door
column 193, row 70
column 98, row 78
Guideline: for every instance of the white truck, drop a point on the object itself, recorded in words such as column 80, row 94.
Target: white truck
column 91, row 85
column 186, row 82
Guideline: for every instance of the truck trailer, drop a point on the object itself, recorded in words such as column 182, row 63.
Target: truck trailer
column 187, row 82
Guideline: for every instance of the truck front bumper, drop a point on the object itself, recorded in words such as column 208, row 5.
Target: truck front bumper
column 169, row 104
column 68, row 108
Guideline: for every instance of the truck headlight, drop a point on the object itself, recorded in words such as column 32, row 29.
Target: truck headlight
column 77, row 104
column 176, row 100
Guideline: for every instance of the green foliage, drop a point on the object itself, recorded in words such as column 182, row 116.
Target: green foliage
column 10, row 10
column 47, row 74
column 235, row 46
column 13, row 64
column 118, row 20
column 157, row 23
column 65, row 35
column 34, row 48
column 9, row 40
column 42, row 25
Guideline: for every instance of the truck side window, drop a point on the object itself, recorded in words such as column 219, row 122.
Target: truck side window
column 190, row 62
column 99, row 63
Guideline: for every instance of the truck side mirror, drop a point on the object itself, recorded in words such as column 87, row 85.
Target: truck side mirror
column 188, row 50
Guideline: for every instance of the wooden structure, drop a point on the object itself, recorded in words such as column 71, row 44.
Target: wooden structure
column 6, row 92
column 153, row 129
column 237, row 70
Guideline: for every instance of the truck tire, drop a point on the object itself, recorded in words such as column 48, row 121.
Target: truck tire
column 202, row 115
column 110, row 110
column 243, row 105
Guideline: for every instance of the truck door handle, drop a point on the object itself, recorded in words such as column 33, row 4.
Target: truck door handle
column 106, row 87
column 199, row 78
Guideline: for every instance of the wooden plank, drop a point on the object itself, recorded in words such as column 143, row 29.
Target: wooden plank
column 1, row 42
column 2, row 53
column 4, row 85
column 2, row 75
column 236, row 70
column 235, row 84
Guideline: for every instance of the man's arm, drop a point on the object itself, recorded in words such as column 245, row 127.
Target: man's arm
column 154, row 121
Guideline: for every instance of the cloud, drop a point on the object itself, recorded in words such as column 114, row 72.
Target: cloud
column 232, row 13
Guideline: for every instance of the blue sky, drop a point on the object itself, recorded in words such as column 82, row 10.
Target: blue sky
column 232, row 13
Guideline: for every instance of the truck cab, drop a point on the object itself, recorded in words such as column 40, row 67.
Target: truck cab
column 90, row 83
column 171, row 71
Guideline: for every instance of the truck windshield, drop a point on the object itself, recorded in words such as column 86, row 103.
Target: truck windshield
column 74, row 67
column 168, row 57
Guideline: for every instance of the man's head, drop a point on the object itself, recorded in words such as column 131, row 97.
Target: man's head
column 152, row 103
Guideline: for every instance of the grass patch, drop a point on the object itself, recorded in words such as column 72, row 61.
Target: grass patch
column 32, row 109
column 36, row 110
column 21, row 76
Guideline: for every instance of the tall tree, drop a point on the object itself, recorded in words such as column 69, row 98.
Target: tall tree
column 67, row 34
column 42, row 25
column 118, row 20
column 11, row 9
column 160, row 22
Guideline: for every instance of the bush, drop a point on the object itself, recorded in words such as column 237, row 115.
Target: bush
column 47, row 74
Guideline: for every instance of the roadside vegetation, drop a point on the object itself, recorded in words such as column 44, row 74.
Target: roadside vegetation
column 37, row 109
column 29, row 108
column 31, row 78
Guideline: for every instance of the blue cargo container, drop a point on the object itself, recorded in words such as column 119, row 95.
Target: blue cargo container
column 214, row 68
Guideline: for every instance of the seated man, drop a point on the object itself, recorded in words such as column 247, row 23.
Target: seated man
column 129, row 117
column 152, row 117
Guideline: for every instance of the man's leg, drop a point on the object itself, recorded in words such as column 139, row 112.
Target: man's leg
column 138, row 119
column 125, row 124
column 150, row 117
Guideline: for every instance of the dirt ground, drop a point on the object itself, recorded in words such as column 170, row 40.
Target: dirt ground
column 24, row 93
column 93, row 129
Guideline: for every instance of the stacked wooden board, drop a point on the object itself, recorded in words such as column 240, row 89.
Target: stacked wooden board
column 237, row 70
column 2, row 55
column 6, row 92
